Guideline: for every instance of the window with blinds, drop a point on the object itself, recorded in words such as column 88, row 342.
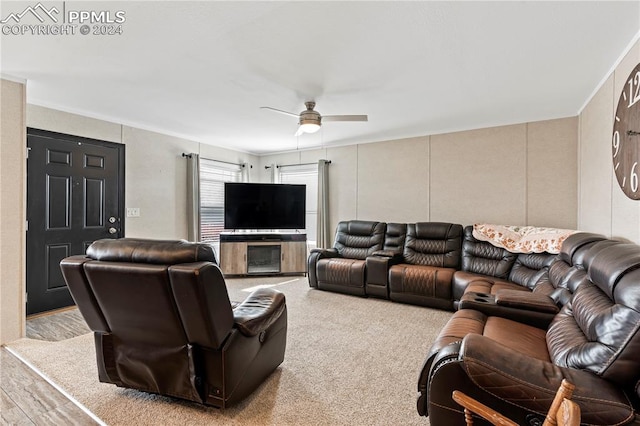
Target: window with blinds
column 213, row 175
column 305, row 175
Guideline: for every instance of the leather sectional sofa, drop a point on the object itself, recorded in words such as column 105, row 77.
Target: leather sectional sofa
column 523, row 322
column 593, row 342
column 428, row 263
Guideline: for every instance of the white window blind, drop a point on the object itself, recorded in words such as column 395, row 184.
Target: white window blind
column 305, row 175
column 213, row 175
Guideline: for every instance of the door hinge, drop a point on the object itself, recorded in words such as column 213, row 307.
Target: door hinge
column 26, row 225
column 26, row 298
column 28, row 149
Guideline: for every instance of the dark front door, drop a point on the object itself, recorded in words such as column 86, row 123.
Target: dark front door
column 75, row 195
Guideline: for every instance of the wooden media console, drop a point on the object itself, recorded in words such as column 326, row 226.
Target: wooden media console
column 263, row 253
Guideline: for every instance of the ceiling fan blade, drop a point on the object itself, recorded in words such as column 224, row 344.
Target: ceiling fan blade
column 281, row 111
column 345, row 118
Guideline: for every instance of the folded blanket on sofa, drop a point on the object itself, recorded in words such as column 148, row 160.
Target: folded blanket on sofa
column 522, row 239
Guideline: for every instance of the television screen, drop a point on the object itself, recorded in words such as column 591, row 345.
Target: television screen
column 264, row 206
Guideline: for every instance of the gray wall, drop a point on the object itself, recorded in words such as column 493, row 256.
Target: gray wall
column 524, row 174
column 12, row 210
column 602, row 206
column 155, row 171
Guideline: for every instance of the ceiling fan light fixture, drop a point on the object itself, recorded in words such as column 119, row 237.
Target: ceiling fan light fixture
column 309, row 127
column 309, row 120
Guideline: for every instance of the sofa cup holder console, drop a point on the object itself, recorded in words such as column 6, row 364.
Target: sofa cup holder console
column 482, row 297
column 479, row 298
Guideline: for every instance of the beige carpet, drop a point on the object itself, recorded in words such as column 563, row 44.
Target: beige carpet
column 349, row 361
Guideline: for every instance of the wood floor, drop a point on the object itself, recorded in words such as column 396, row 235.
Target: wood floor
column 25, row 397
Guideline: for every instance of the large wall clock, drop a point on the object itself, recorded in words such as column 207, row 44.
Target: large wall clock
column 626, row 137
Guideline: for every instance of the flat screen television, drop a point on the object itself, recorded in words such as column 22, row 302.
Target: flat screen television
column 264, row 206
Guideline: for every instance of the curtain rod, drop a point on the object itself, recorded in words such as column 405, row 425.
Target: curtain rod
column 218, row 161
column 291, row 165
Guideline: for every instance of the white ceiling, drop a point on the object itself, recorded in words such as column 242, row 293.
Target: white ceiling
column 202, row 70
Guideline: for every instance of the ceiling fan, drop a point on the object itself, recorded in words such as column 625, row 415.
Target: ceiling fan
column 311, row 120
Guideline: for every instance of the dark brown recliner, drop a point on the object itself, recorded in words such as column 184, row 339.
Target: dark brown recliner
column 553, row 288
column 163, row 322
column 430, row 257
column 592, row 342
column 482, row 265
column 488, row 269
column 343, row 267
column 568, row 269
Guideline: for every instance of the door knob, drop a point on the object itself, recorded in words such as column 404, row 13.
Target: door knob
column 112, row 219
column 112, row 230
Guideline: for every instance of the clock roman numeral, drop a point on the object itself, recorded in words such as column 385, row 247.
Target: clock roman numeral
column 617, row 119
column 624, row 180
column 617, row 165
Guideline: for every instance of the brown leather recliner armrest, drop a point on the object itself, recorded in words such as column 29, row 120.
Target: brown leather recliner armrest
column 388, row 253
column 73, row 271
column 258, row 311
column 523, row 380
column 315, row 255
column 378, row 265
column 526, row 300
column 325, row 252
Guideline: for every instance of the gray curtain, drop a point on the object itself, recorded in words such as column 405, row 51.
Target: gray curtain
column 323, row 230
column 193, row 197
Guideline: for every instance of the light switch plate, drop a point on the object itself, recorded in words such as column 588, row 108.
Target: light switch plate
column 133, row 212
